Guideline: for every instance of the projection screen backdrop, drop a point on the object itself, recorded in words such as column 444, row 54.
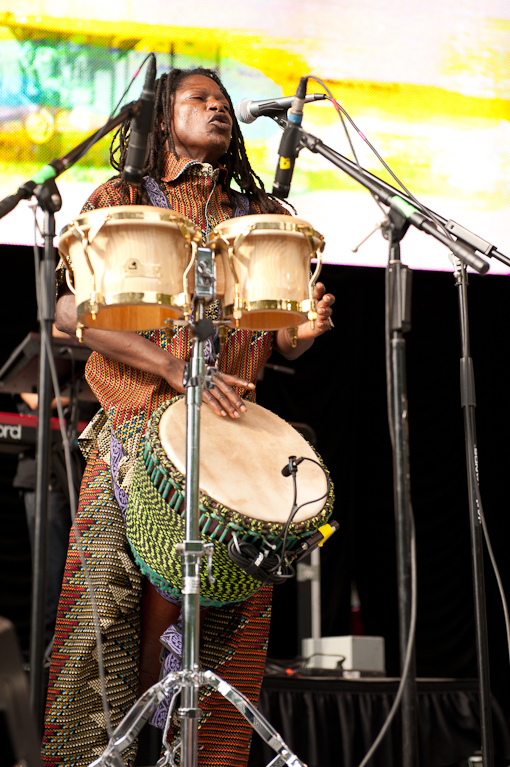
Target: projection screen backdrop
column 428, row 84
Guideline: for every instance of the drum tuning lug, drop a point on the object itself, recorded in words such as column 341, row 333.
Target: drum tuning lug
column 209, row 553
column 93, row 305
column 237, row 312
column 79, row 332
column 185, row 376
column 312, row 311
column 293, row 337
column 222, row 334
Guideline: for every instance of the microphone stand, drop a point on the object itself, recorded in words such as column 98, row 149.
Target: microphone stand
column 192, row 548
column 43, row 187
column 59, row 165
column 378, row 187
column 50, row 202
column 398, row 322
column 402, row 213
column 468, row 404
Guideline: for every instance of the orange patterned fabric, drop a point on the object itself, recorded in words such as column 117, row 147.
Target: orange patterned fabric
column 129, row 394
column 75, row 731
column 187, row 184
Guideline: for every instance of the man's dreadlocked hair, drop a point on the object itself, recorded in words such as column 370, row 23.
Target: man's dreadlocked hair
column 235, row 159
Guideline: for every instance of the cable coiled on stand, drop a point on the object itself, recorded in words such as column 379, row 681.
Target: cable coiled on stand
column 263, row 562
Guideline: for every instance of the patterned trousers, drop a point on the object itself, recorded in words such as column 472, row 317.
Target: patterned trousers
column 233, row 644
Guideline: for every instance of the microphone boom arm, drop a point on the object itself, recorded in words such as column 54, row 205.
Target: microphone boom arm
column 463, row 247
column 54, row 168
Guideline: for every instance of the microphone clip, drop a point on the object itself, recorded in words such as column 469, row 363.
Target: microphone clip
column 290, row 143
column 291, row 467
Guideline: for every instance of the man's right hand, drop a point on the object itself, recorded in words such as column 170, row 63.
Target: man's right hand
column 132, row 349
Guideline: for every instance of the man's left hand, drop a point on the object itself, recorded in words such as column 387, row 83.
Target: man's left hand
column 306, row 334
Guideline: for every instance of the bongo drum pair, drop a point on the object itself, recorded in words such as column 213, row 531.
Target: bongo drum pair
column 131, row 268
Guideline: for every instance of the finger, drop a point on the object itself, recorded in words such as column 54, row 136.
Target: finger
column 213, row 402
column 324, row 308
column 323, row 325
column 319, row 290
column 232, row 380
column 328, row 299
column 224, row 399
column 324, row 313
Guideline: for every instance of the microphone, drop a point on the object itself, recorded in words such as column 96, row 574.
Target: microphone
column 141, row 126
column 291, row 466
column 289, row 145
column 248, row 110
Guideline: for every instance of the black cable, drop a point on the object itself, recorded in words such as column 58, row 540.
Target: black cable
column 262, row 561
column 341, row 111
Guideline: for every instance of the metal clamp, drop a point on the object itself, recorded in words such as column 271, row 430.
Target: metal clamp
column 209, row 553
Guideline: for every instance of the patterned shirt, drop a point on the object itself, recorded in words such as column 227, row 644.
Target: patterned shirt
column 129, row 396
column 193, row 189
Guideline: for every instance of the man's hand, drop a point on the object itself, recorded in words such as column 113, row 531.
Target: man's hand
column 306, row 335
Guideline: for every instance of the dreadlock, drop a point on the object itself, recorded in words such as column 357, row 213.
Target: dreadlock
column 235, row 159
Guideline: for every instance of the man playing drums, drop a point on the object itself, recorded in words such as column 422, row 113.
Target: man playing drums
column 195, row 151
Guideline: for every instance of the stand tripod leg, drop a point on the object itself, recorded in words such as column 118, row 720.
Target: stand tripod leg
column 255, row 719
column 137, row 716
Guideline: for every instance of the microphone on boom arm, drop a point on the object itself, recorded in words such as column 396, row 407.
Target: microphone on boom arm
column 141, row 126
column 248, row 110
column 289, row 145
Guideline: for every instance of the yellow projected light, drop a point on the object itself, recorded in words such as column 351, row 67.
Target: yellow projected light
column 430, row 90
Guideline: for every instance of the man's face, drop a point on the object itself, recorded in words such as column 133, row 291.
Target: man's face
column 202, row 123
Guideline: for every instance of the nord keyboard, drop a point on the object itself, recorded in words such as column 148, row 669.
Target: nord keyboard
column 18, row 432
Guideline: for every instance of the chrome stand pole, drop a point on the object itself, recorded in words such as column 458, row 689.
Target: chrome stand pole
column 192, row 552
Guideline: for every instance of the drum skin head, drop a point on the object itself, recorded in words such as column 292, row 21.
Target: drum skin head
column 241, row 461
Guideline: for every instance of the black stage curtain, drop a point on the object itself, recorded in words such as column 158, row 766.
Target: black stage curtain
column 333, row 723
column 338, row 388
